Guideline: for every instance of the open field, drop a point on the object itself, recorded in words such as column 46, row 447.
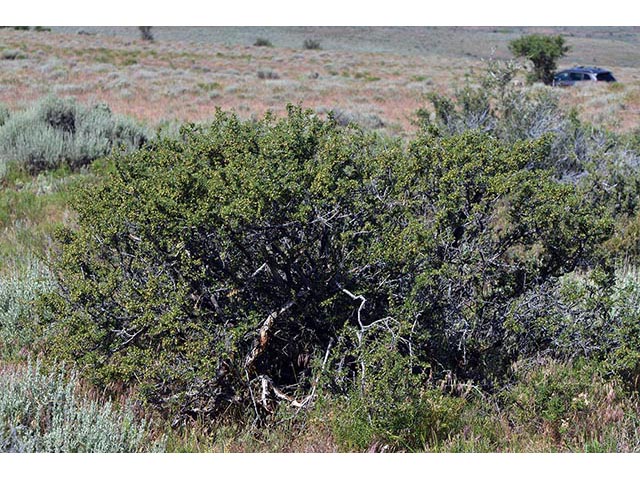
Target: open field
column 379, row 75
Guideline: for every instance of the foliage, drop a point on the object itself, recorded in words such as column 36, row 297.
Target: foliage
column 240, row 222
column 213, row 270
column 262, row 42
column 602, row 164
column 311, row 44
column 146, row 34
column 18, row 288
column 567, row 401
column 543, row 51
column 268, row 74
column 42, row 412
column 389, row 407
column 4, row 114
column 59, row 131
column 13, row 55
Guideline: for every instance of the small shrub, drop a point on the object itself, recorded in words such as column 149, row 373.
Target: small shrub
column 262, row 42
column 42, row 412
column 268, row 75
column 369, row 121
column 210, row 86
column 57, row 131
column 18, row 288
column 366, row 76
column 5, row 113
column 391, row 407
column 146, row 34
column 311, row 44
column 566, row 402
column 13, row 55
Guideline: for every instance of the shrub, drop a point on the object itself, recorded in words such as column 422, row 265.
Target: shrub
column 571, row 403
column 593, row 316
column 311, row 44
column 260, row 237
column 262, row 42
column 59, row 131
column 388, row 407
column 13, row 55
column 543, row 51
column 347, row 117
column 18, row 288
column 268, row 75
column 4, row 114
column 42, row 412
column 146, row 34
column 215, row 269
column 603, row 164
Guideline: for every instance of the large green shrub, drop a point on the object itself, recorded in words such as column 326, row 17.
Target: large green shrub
column 57, row 131
column 201, row 262
column 543, row 51
column 217, row 270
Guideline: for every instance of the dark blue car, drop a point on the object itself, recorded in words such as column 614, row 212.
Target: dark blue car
column 575, row 75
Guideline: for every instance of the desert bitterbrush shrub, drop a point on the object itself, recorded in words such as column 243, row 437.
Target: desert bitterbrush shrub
column 192, row 253
column 44, row 412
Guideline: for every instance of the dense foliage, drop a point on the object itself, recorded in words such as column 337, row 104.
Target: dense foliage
column 543, row 51
column 225, row 271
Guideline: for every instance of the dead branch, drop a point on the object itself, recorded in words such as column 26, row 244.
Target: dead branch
column 260, row 343
column 266, row 383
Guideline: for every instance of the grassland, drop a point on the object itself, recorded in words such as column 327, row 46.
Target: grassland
column 383, row 74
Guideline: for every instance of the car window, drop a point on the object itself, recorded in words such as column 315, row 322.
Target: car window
column 605, row 77
column 575, row 76
column 562, row 76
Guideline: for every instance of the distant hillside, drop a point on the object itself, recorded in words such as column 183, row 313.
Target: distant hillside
column 611, row 46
